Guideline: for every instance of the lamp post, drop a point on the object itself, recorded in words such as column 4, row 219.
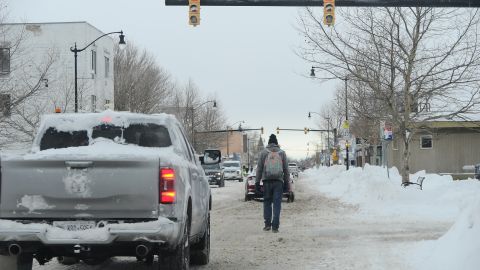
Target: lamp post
column 228, row 143
column 193, row 117
column 312, row 74
column 75, row 51
column 346, row 120
column 328, row 133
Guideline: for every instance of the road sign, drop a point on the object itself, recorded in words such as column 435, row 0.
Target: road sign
column 387, row 132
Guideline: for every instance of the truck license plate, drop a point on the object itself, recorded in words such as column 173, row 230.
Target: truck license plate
column 74, row 225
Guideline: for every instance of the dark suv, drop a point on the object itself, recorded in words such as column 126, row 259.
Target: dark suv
column 214, row 172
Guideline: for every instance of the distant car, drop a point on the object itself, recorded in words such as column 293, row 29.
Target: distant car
column 251, row 194
column 293, row 169
column 232, row 170
column 215, row 174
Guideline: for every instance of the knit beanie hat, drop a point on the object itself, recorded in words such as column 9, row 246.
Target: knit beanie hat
column 272, row 139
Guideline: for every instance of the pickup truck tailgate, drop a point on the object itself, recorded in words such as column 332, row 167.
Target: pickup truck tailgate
column 91, row 189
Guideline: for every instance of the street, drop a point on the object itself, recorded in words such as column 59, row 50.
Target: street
column 315, row 233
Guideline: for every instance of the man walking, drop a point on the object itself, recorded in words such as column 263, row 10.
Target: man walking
column 272, row 168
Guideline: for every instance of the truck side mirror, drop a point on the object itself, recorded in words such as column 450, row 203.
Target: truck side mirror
column 212, row 156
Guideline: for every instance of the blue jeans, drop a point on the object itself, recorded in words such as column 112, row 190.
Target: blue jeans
column 272, row 194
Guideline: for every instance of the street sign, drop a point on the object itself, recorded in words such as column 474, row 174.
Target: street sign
column 387, row 132
column 346, row 125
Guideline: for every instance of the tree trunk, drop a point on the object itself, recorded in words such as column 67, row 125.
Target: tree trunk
column 406, row 159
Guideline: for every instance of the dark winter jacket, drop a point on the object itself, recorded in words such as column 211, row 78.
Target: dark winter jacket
column 261, row 162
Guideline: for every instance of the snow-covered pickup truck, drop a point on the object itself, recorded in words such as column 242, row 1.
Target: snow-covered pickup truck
column 106, row 184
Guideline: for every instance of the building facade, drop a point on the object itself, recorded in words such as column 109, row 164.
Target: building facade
column 37, row 72
column 39, row 40
column 443, row 147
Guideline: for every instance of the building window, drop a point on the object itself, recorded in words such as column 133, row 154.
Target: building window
column 94, row 103
column 4, row 60
column 107, row 67
column 426, row 142
column 5, row 104
column 94, row 62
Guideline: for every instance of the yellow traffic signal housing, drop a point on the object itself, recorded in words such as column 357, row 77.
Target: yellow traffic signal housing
column 261, row 129
column 194, row 12
column 329, row 12
column 278, row 130
column 306, row 130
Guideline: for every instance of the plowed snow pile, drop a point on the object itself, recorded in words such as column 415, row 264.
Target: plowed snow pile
column 379, row 196
column 458, row 249
column 441, row 199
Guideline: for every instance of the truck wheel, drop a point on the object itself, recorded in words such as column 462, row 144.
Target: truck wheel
column 24, row 261
column 222, row 184
column 201, row 251
column 247, row 198
column 179, row 258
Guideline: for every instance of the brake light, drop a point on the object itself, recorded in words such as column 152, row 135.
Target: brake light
column 167, row 191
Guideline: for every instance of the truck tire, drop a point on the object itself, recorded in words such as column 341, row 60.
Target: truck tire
column 24, row 261
column 201, row 250
column 179, row 258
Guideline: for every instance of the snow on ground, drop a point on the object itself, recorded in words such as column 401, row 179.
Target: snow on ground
column 442, row 199
column 377, row 195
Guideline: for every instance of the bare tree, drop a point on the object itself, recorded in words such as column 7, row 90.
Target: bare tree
column 141, row 85
column 409, row 59
column 22, row 86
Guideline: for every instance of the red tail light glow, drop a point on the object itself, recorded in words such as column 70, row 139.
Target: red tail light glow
column 167, row 193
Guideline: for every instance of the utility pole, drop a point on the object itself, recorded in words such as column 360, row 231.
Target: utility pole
column 346, row 119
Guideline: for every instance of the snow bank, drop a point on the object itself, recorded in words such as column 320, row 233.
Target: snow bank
column 458, row 249
column 377, row 195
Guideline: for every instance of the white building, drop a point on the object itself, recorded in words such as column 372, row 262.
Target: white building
column 95, row 64
column 28, row 49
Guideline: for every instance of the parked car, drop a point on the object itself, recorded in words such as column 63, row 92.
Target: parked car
column 232, row 170
column 251, row 194
column 106, row 184
column 215, row 174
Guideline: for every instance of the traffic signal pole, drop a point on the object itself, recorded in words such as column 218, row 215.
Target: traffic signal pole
column 344, row 3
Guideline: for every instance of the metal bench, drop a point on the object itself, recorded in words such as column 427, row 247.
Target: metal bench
column 419, row 182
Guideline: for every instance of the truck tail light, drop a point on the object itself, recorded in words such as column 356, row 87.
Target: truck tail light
column 166, row 192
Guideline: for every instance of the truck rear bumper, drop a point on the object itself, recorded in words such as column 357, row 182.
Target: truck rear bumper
column 159, row 232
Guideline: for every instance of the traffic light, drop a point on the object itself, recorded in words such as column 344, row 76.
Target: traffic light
column 329, row 12
column 261, row 130
column 278, row 130
column 306, row 130
column 194, row 12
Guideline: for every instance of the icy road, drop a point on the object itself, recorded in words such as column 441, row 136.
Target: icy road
column 315, row 233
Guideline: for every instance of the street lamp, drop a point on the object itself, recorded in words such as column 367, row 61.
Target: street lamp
column 75, row 51
column 193, row 117
column 228, row 143
column 312, row 74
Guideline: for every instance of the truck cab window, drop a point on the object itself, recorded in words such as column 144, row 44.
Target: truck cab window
column 53, row 139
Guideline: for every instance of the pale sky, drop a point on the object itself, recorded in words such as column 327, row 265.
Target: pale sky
column 243, row 55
